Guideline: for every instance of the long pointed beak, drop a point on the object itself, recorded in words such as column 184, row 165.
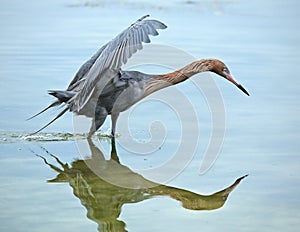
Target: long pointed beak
column 243, row 89
column 231, row 79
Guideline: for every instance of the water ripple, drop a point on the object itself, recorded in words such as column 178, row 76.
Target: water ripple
column 17, row 137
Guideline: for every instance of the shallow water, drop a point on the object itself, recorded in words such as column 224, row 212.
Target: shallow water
column 42, row 45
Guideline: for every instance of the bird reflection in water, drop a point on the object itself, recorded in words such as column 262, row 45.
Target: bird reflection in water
column 104, row 199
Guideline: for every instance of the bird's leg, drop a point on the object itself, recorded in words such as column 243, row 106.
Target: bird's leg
column 99, row 119
column 114, row 117
column 92, row 129
column 113, row 153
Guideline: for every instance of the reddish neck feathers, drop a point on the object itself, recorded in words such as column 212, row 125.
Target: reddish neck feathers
column 165, row 80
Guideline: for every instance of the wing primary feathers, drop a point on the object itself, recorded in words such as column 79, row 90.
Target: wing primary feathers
column 113, row 55
column 141, row 19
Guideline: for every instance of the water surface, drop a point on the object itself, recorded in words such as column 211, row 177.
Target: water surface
column 42, row 45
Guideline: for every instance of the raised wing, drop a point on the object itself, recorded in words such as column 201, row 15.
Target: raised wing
column 114, row 54
column 81, row 73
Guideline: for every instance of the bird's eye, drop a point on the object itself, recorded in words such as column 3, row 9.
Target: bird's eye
column 225, row 70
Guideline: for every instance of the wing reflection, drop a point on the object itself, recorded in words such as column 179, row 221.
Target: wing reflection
column 104, row 200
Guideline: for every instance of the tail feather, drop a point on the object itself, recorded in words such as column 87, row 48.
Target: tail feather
column 56, row 103
column 61, row 95
column 58, row 116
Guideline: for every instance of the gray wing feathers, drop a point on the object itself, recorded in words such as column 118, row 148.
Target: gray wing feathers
column 113, row 55
column 85, row 68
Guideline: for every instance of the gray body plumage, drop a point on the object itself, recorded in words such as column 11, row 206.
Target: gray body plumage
column 121, row 90
column 100, row 87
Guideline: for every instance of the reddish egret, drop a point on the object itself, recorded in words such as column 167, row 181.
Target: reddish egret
column 101, row 87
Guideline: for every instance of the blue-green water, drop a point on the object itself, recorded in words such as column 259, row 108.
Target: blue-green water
column 43, row 43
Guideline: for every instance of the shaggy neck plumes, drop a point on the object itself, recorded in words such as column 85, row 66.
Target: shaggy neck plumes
column 188, row 71
column 165, row 80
